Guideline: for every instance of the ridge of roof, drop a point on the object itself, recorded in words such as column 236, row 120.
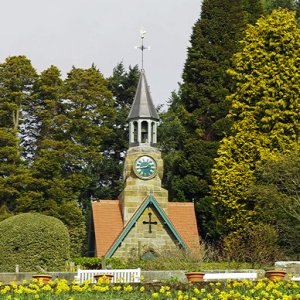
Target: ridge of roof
column 142, row 106
column 148, row 200
column 181, row 203
column 106, row 201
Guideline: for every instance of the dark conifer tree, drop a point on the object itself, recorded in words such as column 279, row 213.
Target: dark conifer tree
column 17, row 77
column 270, row 5
column 73, row 118
column 123, row 85
column 201, row 106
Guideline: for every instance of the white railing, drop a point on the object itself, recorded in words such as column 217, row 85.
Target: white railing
column 119, row 275
column 236, row 276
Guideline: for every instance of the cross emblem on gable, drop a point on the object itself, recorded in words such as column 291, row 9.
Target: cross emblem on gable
column 150, row 222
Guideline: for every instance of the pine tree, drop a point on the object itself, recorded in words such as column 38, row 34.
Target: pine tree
column 265, row 110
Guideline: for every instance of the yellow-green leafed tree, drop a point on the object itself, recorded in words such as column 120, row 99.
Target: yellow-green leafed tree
column 265, row 110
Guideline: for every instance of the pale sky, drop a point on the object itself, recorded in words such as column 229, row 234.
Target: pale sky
column 68, row 33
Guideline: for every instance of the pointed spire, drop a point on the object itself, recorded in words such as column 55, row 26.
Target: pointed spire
column 143, row 106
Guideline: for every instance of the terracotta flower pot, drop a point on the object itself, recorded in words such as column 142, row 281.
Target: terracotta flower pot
column 194, row 276
column 42, row 277
column 275, row 274
column 104, row 278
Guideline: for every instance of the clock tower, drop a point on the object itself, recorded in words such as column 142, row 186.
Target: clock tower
column 143, row 168
column 142, row 223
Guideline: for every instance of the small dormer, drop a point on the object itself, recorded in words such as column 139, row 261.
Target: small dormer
column 143, row 118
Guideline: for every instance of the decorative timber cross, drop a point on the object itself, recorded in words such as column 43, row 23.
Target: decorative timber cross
column 150, row 222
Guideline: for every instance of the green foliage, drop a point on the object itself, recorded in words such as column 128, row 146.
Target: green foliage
column 47, row 108
column 17, row 77
column 206, row 84
column 88, row 263
column 13, row 175
column 62, row 141
column 73, row 118
column 123, row 85
column 264, row 109
column 32, row 241
column 94, row 263
column 73, row 135
column 270, row 5
column 276, row 194
column 196, row 119
column 173, row 263
column 257, row 244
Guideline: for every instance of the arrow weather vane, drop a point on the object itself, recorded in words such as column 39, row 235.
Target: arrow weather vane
column 142, row 47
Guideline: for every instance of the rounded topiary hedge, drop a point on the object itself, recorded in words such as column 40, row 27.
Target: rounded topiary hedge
column 33, row 241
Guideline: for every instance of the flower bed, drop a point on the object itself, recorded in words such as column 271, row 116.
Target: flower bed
column 229, row 290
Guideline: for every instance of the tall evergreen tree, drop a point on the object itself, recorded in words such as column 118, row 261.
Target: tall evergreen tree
column 89, row 115
column 270, row 5
column 123, row 85
column 265, row 109
column 201, row 106
column 14, row 175
column 17, row 77
column 48, row 106
column 73, row 118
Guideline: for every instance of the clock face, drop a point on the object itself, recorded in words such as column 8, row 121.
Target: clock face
column 145, row 167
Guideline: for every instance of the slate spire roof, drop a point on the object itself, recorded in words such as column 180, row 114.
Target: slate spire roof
column 143, row 106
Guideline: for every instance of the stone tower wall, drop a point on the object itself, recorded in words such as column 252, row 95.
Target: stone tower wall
column 136, row 189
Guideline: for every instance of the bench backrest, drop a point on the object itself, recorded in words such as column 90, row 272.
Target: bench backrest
column 222, row 276
column 120, row 275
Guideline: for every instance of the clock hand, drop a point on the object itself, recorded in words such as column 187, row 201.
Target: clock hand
column 145, row 167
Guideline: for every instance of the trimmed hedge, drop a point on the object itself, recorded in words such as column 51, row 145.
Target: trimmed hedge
column 95, row 263
column 33, row 241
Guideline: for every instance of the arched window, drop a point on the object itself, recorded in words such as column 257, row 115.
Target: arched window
column 153, row 131
column 149, row 255
column 135, row 131
column 144, row 132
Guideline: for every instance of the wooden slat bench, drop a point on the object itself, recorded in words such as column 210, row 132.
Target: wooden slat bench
column 120, row 275
column 233, row 276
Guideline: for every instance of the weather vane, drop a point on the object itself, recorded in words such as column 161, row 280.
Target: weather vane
column 142, row 47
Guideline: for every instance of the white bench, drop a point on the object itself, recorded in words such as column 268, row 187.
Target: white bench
column 120, row 275
column 235, row 276
column 295, row 278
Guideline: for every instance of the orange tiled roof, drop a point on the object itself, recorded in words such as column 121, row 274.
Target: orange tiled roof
column 181, row 214
column 108, row 224
column 183, row 217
